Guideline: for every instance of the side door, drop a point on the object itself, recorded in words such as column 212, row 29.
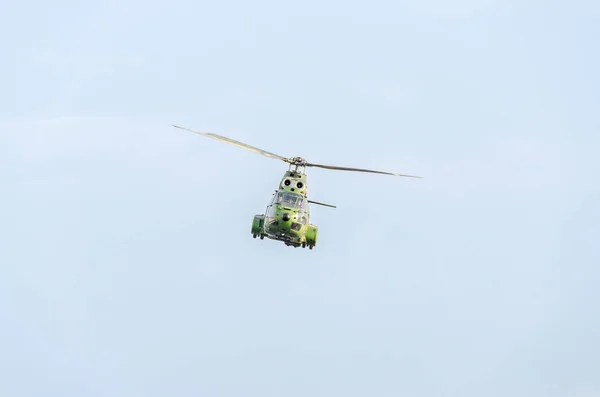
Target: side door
column 271, row 211
column 302, row 206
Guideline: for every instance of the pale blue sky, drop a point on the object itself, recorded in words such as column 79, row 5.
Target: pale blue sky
column 127, row 264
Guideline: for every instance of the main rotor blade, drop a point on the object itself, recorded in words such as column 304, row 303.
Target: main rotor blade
column 331, row 167
column 236, row 143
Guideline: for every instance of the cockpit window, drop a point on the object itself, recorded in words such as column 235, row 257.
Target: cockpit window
column 292, row 200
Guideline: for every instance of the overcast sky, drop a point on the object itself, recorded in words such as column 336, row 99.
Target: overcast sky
column 127, row 264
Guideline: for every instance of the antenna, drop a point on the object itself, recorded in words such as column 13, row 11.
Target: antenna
column 326, row 205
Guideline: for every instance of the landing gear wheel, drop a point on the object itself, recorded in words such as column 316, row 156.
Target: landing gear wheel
column 303, row 245
column 262, row 236
column 254, row 235
column 310, row 247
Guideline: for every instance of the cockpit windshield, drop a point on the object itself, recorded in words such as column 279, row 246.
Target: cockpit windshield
column 292, row 200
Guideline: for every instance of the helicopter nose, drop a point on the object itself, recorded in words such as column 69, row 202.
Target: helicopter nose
column 285, row 217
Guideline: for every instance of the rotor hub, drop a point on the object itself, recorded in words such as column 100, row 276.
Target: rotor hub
column 299, row 161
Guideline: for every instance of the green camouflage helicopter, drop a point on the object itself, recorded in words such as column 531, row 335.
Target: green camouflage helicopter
column 287, row 217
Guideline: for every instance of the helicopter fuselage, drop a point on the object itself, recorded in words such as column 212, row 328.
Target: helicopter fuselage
column 287, row 216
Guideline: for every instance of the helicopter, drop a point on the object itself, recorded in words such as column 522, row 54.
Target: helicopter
column 287, row 216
